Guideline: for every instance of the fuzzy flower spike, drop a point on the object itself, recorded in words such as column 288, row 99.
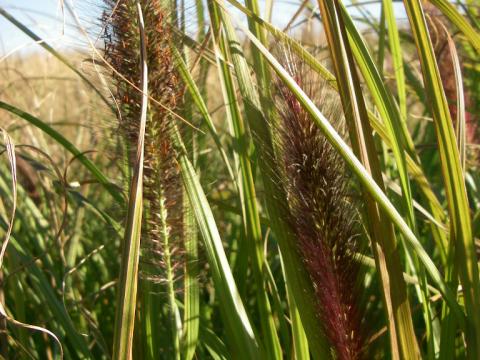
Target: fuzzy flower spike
column 324, row 216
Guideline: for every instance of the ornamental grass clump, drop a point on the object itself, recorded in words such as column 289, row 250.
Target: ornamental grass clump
column 282, row 224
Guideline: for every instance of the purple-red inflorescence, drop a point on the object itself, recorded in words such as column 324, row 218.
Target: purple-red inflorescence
column 324, row 216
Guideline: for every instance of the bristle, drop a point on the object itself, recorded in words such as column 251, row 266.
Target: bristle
column 162, row 230
column 324, row 218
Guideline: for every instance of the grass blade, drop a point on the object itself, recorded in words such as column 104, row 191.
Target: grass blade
column 191, row 316
column 127, row 289
column 299, row 338
column 461, row 239
column 459, row 21
column 460, row 122
column 202, row 107
column 241, row 335
column 59, row 138
column 397, row 60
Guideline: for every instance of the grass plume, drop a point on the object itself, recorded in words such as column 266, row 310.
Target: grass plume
column 325, row 219
column 162, row 254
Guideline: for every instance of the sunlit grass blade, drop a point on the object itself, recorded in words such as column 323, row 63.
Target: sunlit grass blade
column 191, row 316
column 59, row 138
column 240, row 332
column 202, row 107
column 449, row 10
column 387, row 108
column 461, row 231
column 278, row 308
column 397, row 60
column 247, row 192
column 260, row 66
column 460, row 122
column 299, row 338
column 191, row 283
column 128, row 279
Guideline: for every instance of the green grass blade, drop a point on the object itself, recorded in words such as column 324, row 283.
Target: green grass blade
column 278, row 307
column 461, row 235
column 128, row 279
column 59, row 138
column 300, row 342
column 382, row 34
column 397, row 60
column 202, row 107
column 191, row 315
column 241, row 335
column 409, row 279
column 99, row 213
column 459, row 21
column 260, row 67
column 214, row 345
column 387, row 109
column 460, row 103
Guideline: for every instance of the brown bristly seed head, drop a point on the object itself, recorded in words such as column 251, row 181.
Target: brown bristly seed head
column 324, row 217
column 163, row 220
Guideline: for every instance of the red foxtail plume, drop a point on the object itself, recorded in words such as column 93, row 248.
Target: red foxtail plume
column 324, row 217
